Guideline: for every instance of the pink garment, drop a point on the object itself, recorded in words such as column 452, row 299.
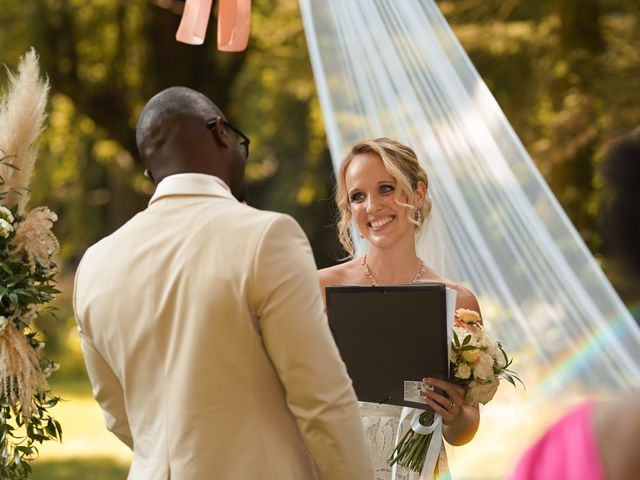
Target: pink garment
column 567, row 451
column 234, row 18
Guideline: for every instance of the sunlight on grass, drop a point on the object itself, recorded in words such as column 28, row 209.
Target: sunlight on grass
column 88, row 450
column 85, row 469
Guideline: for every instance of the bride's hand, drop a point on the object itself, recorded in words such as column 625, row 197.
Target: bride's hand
column 449, row 408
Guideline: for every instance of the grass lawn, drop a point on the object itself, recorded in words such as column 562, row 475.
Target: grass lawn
column 88, row 451
column 98, row 468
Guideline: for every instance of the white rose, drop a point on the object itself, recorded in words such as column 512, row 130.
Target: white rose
column 463, row 371
column 483, row 368
column 6, row 214
column 482, row 392
column 5, row 228
column 484, row 340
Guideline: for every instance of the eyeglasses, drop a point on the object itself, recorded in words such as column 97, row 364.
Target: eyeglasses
column 241, row 137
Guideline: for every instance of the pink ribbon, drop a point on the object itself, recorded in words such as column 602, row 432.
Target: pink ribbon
column 234, row 19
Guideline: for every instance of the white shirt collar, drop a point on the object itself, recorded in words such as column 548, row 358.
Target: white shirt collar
column 191, row 184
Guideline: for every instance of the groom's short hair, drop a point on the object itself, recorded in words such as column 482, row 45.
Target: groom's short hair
column 170, row 107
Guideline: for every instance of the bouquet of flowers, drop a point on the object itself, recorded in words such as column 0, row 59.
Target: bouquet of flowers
column 478, row 362
column 28, row 249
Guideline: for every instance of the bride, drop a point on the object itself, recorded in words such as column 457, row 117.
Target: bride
column 383, row 189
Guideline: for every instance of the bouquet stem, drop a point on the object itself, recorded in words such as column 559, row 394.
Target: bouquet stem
column 411, row 450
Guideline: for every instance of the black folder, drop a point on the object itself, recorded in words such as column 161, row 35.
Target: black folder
column 391, row 337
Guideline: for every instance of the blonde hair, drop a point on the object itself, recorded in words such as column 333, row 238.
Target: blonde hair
column 402, row 164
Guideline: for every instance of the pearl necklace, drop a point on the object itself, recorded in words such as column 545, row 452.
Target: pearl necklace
column 369, row 275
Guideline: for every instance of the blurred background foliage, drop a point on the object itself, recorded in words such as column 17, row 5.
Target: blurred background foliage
column 565, row 72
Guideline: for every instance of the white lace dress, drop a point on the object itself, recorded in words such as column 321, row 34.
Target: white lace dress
column 380, row 426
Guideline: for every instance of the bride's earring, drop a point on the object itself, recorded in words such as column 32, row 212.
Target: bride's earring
column 418, row 216
column 361, row 236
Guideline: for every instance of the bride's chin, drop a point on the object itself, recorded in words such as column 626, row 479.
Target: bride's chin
column 380, row 241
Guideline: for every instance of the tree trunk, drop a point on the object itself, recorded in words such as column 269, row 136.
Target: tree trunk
column 580, row 24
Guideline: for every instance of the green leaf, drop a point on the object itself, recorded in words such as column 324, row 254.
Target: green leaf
column 6, row 268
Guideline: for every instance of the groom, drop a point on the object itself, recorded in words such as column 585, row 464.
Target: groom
column 202, row 324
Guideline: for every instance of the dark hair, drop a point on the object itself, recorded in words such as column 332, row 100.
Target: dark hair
column 621, row 207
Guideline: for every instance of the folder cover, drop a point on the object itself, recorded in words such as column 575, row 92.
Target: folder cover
column 391, row 337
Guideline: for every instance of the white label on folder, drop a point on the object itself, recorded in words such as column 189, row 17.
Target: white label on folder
column 414, row 391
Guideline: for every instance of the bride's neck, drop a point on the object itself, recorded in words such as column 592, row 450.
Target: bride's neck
column 396, row 265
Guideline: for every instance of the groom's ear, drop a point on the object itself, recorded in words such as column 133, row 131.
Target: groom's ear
column 220, row 133
column 148, row 175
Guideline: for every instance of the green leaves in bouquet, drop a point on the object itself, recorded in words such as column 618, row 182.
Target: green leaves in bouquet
column 464, row 346
column 22, row 284
column 19, row 436
column 509, row 375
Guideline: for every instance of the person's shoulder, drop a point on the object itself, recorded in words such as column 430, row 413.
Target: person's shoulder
column 279, row 225
column 266, row 232
column 341, row 274
column 267, row 217
column 465, row 298
column 244, row 220
column 616, row 432
column 101, row 248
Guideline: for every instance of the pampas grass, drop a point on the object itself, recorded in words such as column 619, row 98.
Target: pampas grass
column 22, row 115
column 21, row 366
column 27, row 256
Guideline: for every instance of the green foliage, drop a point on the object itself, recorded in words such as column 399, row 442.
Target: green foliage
column 26, row 285
column 20, row 435
column 22, row 285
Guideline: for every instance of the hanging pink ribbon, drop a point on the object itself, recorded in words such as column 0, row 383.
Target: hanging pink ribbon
column 234, row 19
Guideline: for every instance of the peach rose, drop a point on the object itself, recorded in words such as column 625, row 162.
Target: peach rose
column 467, row 316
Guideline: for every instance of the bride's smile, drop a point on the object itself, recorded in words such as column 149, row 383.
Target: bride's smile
column 377, row 224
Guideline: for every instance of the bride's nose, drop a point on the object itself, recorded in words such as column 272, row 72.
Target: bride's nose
column 372, row 204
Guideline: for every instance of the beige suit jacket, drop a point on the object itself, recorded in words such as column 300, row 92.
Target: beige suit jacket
column 203, row 331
